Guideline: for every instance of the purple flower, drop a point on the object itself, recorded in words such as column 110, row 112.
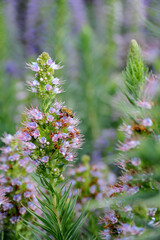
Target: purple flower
column 55, row 81
column 92, row 189
column 49, row 61
column 17, row 197
column 45, row 159
column 22, row 210
column 147, row 122
column 31, row 205
column 48, row 87
column 27, row 194
column 4, row 167
column 50, row 118
column 7, row 138
column 29, row 169
column 52, row 110
column 55, row 66
column 34, row 66
column 43, row 140
column 14, row 219
column 31, row 125
column 8, row 189
column 7, row 206
column 16, row 182
column 55, row 138
column 30, row 145
column 36, row 134
column 57, row 90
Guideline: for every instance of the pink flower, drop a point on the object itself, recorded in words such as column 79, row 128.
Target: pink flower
column 14, row 219
column 29, row 169
column 17, row 197
column 57, row 90
column 133, row 230
column 22, row 210
column 147, row 122
column 52, row 110
column 15, row 182
column 49, row 61
column 35, row 113
column 3, row 199
column 135, row 161
column 43, row 140
column 55, row 81
column 50, row 118
column 126, row 129
column 55, row 66
column 45, row 159
column 130, row 144
column 55, row 138
column 31, row 125
column 144, row 104
column 4, row 167
column 48, row 87
column 30, row 145
column 34, row 66
column 27, row 194
column 31, row 205
column 7, row 138
column 36, row 134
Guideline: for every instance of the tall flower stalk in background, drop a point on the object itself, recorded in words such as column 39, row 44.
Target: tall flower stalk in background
column 127, row 216
column 18, row 188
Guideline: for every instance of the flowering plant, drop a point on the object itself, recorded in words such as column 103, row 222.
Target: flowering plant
column 127, row 216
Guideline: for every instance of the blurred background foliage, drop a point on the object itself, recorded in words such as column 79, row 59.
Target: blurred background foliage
column 90, row 38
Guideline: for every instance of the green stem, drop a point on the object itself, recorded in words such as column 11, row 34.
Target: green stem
column 2, row 236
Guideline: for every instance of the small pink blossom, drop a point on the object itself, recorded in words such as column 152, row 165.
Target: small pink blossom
column 17, row 197
column 30, row 145
column 55, row 66
column 45, row 159
column 27, row 194
column 36, row 134
column 4, row 167
column 34, row 66
column 48, row 87
column 22, row 210
column 42, row 140
column 7, row 138
column 52, row 110
column 55, row 81
column 147, row 122
column 32, row 125
column 57, row 90
column 144, row 104
column 14, row 220
column 50, row 118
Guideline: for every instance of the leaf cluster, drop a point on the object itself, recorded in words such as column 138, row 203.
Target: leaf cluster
column 135, row 74
column 58, row 219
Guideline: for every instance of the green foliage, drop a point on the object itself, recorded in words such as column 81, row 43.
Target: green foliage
column 57, row 218
column 135, row 73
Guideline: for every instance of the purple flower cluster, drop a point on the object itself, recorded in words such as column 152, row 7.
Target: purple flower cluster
column 89, row 181
column 44, row 83
column 50, row 135
column 18, row 188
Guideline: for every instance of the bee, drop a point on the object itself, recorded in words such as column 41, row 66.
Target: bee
column 108, row 225
column 139, row 128
column 67, row 112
